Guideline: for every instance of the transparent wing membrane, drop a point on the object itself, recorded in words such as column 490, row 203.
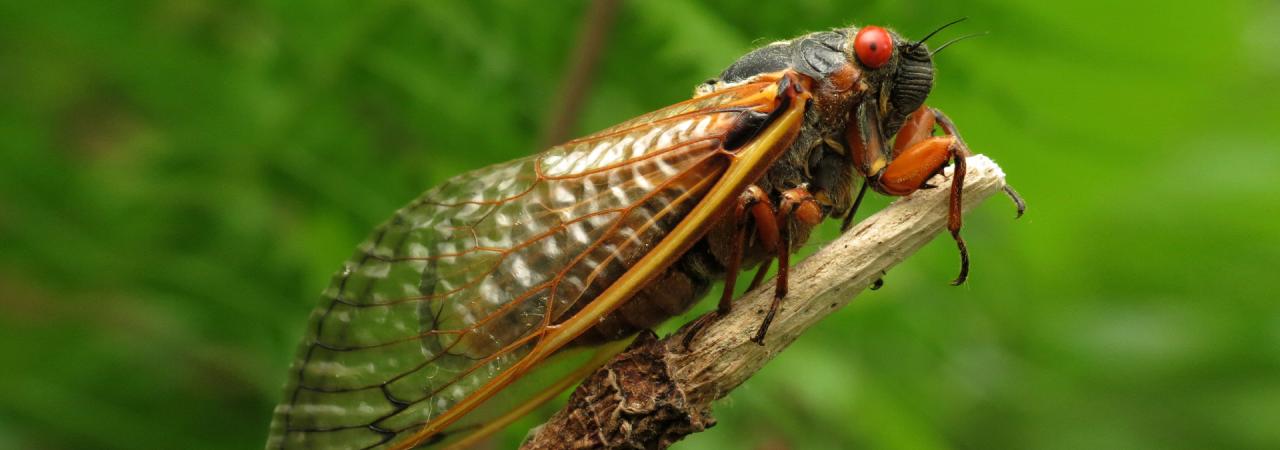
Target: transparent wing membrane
column 460, row 285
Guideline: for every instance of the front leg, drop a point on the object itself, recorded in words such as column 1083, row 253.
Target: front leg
column 915, row 166
column 918, row 156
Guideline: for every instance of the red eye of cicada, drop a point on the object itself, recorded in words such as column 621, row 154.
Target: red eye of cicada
column 873, row 45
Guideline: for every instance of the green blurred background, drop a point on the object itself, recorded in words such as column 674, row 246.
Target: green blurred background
column 178, row 179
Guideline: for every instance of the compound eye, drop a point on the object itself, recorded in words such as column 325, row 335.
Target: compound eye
column 873, row 46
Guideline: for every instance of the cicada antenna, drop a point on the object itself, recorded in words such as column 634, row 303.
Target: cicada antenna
column 961, row 38
column 931, row 33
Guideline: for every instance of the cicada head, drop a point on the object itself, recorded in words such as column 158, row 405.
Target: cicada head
column 867, row 74
column 870, row 69
column 898, row 73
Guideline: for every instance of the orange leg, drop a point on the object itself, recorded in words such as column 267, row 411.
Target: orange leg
column 753, row 202
column 796, row 202
column 950, row 129
column 918, row 127
column 918, row 156
column 773, row 230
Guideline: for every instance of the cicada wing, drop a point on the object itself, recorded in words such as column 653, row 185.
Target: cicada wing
column 451, row 299
column 534, row 388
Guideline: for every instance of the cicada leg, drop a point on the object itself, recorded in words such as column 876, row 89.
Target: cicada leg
column 917, row 155
column 753, row 203
column 949, row 128
column 857, row 201
column 772, row 229
column 799, row 203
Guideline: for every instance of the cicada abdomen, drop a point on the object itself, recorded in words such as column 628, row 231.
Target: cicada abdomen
column 464, row 283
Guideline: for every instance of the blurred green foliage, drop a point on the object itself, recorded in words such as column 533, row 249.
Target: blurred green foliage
column 179, row 178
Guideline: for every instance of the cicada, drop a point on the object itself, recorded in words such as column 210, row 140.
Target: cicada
column 493, row 292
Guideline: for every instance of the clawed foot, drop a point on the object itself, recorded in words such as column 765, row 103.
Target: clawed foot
column 697, row 326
